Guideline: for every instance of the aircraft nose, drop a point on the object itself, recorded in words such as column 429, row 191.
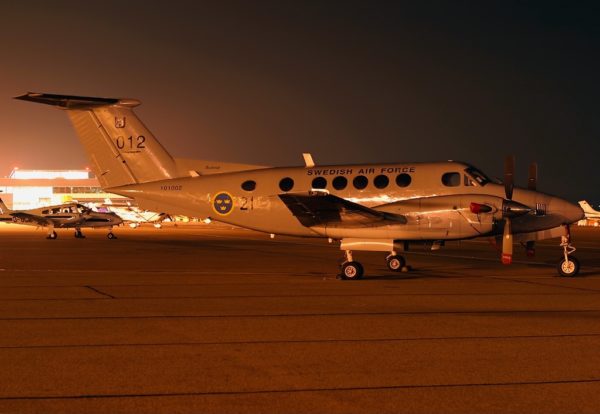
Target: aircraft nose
column 570, row 212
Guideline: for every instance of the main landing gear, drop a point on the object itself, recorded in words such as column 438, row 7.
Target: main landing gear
column 352, row 270
column 52, row 235
column 79, row 234
column 568, row 264
column 395, row 262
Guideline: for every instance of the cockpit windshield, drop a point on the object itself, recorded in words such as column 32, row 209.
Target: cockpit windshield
column 478, row 176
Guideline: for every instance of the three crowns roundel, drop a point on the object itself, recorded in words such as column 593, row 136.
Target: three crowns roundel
column 223, row 203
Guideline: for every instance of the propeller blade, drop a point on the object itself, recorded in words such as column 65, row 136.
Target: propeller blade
column 507, row 243
column 533, row 172
column 509, row 172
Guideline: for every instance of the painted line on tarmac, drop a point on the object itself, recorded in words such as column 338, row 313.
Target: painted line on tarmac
column 302, row 390
column 303, row 341
column 306, row 315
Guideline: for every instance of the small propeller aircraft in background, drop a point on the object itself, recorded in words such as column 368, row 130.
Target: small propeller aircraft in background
column 71, row 215
column 376, row 207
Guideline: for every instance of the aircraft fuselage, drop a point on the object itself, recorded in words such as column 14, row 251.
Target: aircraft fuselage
column 435, row 198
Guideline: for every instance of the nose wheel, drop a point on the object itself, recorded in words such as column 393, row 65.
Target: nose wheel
column 568, row 266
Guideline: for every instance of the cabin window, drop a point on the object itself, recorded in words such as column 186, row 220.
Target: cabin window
column 360, row 182
column 319, row 183
column 286, row 184
column 403, row 180
column 339, row 183
column 381, row 181
column 45, row 212
column 249, row 185
column 451, row 179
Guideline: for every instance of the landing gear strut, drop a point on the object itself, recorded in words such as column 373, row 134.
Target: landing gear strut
column 79, row 234
column 351, row 270
column 568, row 264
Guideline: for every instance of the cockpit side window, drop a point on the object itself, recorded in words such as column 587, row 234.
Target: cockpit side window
column 451, row 179
column 477, row 176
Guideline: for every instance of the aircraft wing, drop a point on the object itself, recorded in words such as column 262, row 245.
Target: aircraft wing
column 317, row 209
column 22, row 217
column 73, row 222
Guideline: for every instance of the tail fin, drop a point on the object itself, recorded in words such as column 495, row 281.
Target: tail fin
column 587, row 208
column 3, row 208
column 120, row 148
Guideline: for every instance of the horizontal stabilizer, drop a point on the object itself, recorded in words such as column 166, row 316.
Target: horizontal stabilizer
column 75, row 102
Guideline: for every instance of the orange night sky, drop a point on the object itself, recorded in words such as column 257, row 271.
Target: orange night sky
column 350, row 81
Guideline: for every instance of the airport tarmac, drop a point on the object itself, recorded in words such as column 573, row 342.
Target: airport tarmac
column 204, row 318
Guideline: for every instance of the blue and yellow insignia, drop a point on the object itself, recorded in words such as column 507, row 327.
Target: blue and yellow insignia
column 222, row 203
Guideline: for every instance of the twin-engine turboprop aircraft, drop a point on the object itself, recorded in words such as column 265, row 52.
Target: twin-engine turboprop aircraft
column 71, row 215
column 377, row 207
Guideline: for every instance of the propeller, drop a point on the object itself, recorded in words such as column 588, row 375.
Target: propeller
column 532, row 179
column 512, row 209
column 507, row 242
column 531, row 185
column 507, row 237
column 509, row 173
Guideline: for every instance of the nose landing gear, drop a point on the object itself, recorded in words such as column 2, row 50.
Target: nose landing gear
column 568, row 265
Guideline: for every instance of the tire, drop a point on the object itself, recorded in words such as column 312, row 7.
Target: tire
column 352, row 271
column 395, row 263
column 111, row 236
column 568, row 268
column 52, row 236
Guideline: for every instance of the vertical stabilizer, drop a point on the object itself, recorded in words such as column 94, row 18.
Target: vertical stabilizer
column 587, row 208
column 3, row 208
column 120, row 148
